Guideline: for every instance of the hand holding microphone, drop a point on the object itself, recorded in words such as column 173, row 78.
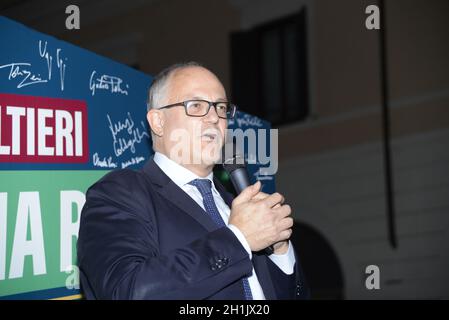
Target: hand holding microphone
column 280, row 247
column 260, row 222
column 263, row 219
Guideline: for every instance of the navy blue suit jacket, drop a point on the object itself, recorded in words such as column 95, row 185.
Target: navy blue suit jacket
column 142, row 237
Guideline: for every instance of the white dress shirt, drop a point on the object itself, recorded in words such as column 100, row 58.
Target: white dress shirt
column 182, row 176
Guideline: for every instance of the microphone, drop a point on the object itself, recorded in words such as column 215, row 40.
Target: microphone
column 235, row 166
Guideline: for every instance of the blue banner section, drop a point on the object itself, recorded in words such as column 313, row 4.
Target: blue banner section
column 260, row 148
column 37, row 65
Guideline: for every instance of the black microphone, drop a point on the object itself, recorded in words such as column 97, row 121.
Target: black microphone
column 235, row 166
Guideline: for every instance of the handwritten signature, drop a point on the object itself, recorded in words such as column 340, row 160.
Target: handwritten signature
column 106, row 82
column 247, row 120
column 22, row 71
column 132, row 161
column 103, row 162
column 132, row 135
column 43, row 52
column 17, row 70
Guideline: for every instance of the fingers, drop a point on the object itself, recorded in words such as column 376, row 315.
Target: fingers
column 260, row 196
column 286, row 223
column 248, row 193
column 283, row 211
column 285, row 235
column 273, row 200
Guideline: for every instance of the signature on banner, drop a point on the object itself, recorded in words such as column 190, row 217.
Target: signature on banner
column 246, row 120
column 103, row 162
column 106, row 162
column 23, row 73
column 106, row 82
column 125, row 135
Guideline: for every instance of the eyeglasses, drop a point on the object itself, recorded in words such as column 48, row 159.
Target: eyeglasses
column 199, row 108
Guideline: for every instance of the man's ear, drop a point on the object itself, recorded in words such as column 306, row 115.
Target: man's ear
column 155, row 119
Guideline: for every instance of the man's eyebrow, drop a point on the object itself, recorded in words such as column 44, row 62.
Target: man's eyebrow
column 202, row 98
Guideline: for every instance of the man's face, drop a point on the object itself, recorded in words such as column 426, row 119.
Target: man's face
column 193, row 140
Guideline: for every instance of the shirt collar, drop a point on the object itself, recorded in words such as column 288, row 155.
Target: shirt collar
column 177, row 173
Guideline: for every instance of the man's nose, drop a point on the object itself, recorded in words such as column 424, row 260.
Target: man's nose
column 212, row 115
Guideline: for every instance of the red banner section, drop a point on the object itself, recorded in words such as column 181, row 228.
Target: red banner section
column 43, row 130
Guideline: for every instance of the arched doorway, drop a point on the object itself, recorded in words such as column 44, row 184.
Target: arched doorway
column 319, row 261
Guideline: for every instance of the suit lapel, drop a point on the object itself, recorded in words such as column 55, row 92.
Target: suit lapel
column 175, row 195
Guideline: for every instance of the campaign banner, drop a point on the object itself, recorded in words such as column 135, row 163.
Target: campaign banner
column 67, row 117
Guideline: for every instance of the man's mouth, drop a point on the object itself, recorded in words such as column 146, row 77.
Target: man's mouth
column 209, row 136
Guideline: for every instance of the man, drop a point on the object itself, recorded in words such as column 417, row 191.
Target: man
column 170, row 230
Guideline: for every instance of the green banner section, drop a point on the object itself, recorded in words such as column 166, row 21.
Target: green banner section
column 39, row 222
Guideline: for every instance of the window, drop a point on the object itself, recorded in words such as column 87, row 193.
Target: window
column 269, row 70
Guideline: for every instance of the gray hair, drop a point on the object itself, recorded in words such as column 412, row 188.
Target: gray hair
column 158, row 89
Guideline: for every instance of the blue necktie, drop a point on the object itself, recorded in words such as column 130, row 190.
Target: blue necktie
column 204, row 186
